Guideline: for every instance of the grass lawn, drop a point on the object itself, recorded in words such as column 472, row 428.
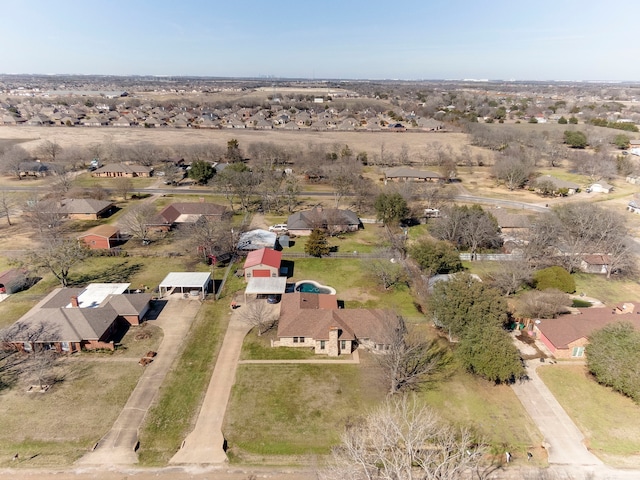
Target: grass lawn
column 86, row 180
column 259, row 348
column 493, row 411
column 609, row 291
column 169, row 421
column 353, row 285
column 609, row 420
column 56, row 428
column 289, row 411
column 367, row 240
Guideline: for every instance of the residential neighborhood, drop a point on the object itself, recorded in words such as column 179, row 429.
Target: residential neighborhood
column 246, row 271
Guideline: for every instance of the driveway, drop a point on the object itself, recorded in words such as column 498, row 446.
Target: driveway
column 205, row 444
column 118, row 446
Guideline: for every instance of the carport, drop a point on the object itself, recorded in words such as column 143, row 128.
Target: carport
column 265, row 286
column 186, row 282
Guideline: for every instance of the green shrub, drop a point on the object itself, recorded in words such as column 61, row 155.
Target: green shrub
column 577, row 303
column 554, row 277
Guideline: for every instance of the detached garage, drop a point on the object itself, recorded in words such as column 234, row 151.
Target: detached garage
column 263, row 263
column 186, row 282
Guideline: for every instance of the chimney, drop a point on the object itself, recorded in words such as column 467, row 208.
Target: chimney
column 332, row 345
column 74, row 301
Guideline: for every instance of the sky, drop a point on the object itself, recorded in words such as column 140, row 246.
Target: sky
column 346, row 39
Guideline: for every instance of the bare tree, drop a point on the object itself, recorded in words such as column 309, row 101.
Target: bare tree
column 122, row 186
column 208, row 237
column 136, row 221
column 403, row 439
column 410, row 360
column 63, row 183
column 58, row 255
column 44, row 215
column 341, row 180
column 49, row 150
column 511, row 275
column 513, row 171
column 260, row 315
column 12, row 159
column 291, row 190
column 388, row 274
column 545, row 304
column 6, row 206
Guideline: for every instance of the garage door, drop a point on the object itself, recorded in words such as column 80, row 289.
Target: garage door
column 262, row 273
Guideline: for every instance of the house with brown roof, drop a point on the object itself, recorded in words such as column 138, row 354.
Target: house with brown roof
column 567, row 335
column 72, row 319
column 86, row 208
column 101, row 237
column 411, row 174
column 547, row 184
column 264, row 262
column 314, row 321
column 185, row 212
column 123, row 170
column 333, row 220
column 595, row 263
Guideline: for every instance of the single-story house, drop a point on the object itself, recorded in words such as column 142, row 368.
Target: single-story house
column 262, row 263
column 186, row 283
column 13, row 280
column 314, row 321
column 101, row 237
column 634, row 206
column 548, row 184
column 86, row 208
column 595, row 263
column 411, row 174
column 567, row 335
column 332, row 219
column 186, row 212
column 600, row 187
column 71, row 319
column 122, row 170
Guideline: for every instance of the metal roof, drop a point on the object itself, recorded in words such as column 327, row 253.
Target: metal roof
column 266, row 285
column 186, row 280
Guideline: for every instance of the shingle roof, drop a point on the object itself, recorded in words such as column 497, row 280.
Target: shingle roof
column 84, row 205
column 187, row 212
column 263, row 256
column 408, row 172
column 106, row 231
column 123, row 167
column 317, row 217
column 568, row 328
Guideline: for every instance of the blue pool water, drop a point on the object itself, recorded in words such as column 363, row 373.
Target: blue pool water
column 311, row 288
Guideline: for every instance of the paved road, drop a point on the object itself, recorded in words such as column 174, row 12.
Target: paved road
column 118, row 446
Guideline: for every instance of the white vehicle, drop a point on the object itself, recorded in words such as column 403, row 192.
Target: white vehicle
column 280, row 227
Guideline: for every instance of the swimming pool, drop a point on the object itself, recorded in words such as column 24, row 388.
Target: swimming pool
column 309, row 286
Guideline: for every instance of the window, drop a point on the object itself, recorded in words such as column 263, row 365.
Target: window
column 322, row 344
column 577, row 352
column 343, row 344
column 64, row 346
column 295, row 339
column 301, row 339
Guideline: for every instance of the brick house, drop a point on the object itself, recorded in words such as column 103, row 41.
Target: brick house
column 333, row 220
column 264, row 262
column 185, row 212
column 567, row 336
column 101, row 237
column 314, row 321
column 86, row 208
column 72, row 319
column 405, row 174
column 122, row 170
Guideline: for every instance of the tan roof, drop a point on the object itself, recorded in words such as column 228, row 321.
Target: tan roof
column 106, row 231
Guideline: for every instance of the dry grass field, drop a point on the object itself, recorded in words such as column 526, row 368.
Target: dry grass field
column 370, row 142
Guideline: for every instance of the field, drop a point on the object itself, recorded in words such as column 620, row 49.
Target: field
column 609, row 421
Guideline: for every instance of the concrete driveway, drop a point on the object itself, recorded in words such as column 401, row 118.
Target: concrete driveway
column 118, row 446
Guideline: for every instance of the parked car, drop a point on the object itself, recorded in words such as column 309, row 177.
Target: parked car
column 273, row 299
column 280, row 227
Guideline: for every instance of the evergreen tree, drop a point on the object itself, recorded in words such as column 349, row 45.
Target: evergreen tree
column 317, row 244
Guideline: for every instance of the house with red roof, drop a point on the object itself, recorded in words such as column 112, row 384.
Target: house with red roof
column 264, row 262
column 567, row 335
column 313, row 320
column 101, row 237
